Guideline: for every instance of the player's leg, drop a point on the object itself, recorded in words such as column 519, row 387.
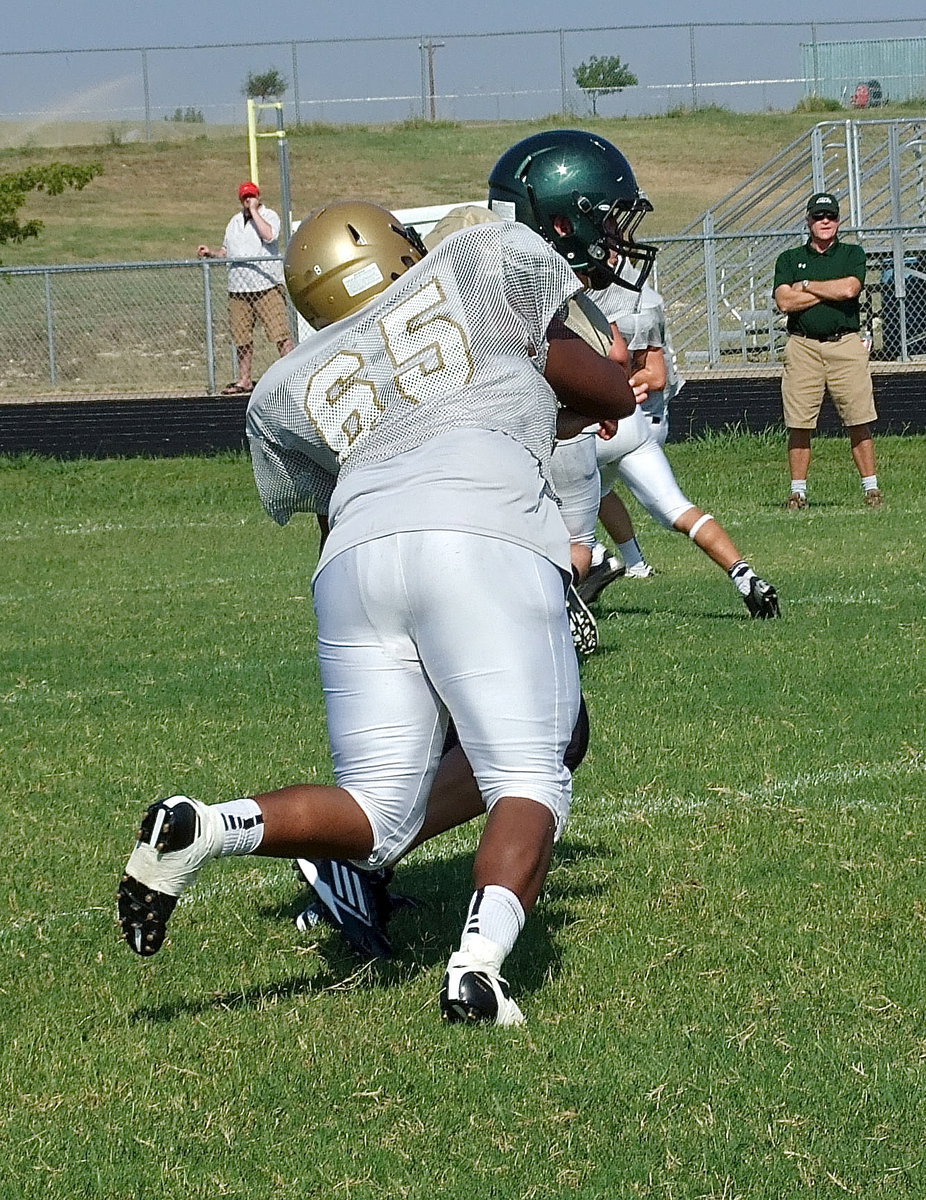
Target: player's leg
column 179, row 835
column 386, row 727
column 503, row 662
column 648, row 474
column 574, row 474
column 613, row 514
column 632, row 433
column 360, row 903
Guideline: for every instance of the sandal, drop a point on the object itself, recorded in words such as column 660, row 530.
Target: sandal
column 235, row 389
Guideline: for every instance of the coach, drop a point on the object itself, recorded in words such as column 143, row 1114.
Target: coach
column 817, row 286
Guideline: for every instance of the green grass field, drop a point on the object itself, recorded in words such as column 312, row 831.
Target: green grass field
column 723, row 980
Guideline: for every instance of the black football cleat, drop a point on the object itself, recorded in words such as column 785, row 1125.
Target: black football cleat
column 582, row 625
column 356, row 903
column 762, row 600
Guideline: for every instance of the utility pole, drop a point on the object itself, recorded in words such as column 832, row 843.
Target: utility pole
column 428, row 48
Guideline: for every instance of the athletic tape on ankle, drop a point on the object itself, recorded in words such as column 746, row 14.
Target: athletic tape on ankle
column 692, row 532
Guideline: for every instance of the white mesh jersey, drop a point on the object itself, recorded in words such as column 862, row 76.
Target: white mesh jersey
column 457, row 342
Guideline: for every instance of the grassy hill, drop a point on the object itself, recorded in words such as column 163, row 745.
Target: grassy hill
column 159, row 200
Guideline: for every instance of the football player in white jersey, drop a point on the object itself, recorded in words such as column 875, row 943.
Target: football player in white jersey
column 641, row 319
column 421, row 419
column 548, row 181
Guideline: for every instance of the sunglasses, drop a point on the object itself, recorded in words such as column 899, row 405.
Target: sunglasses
column 823, row 216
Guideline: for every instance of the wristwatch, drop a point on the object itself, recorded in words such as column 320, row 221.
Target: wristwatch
column 804, row 283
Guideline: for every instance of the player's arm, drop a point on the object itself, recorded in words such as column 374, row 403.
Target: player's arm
column 619, row 352
column 586, row 381
column 649, row 366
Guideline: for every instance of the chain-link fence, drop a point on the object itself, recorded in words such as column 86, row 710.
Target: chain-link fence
column 123, row 328
column 504, row 75
column 162, row 328
column 721, row 313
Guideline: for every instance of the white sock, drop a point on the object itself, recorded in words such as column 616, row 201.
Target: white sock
column 869, row 482
column 631, row 552
column 599, row 554
column 742, row 573
column 799, row 486
column 495, row 916
column 243, row 825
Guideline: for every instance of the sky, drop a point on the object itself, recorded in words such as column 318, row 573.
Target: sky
column 342, row 79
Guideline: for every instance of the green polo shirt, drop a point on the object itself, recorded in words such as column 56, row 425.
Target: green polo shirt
column 829, row 316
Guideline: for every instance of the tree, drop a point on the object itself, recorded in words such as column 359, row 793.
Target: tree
column 602, row 76
column 16, row 186
column 263, row 84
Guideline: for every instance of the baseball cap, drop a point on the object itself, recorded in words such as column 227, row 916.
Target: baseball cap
column 248, row 189
column 823, row 202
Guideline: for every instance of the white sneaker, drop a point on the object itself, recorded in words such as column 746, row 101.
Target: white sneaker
column 177, row 836
column 640, row 570
column 474, row 991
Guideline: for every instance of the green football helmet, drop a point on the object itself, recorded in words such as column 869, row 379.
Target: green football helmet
column 581, row 183
column 343, row 255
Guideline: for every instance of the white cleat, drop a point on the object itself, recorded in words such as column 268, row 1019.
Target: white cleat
column 177, row 836
column 640, row 570
column 474, row 991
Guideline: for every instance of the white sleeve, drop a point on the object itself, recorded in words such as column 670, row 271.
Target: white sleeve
column 273, row 220
column 649, row 329
column 289, row 481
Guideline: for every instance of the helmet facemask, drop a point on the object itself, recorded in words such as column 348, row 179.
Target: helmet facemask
column 615, row 256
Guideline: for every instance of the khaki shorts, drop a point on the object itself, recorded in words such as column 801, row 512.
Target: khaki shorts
column 841, row 368
column 245, row 308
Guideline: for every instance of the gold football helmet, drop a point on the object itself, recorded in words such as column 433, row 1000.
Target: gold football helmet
column 343, row 255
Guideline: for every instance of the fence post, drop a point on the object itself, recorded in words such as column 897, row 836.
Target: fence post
column 210, row 331
column 147, row 91
column 295, row 82
column 711, row 296
column 50, row 331
column 897, row 247
column 694, row 71
column 818, row 183
column 562, row 73
column 816, row 61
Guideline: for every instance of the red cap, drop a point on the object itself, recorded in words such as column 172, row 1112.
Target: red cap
column 248, row 189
